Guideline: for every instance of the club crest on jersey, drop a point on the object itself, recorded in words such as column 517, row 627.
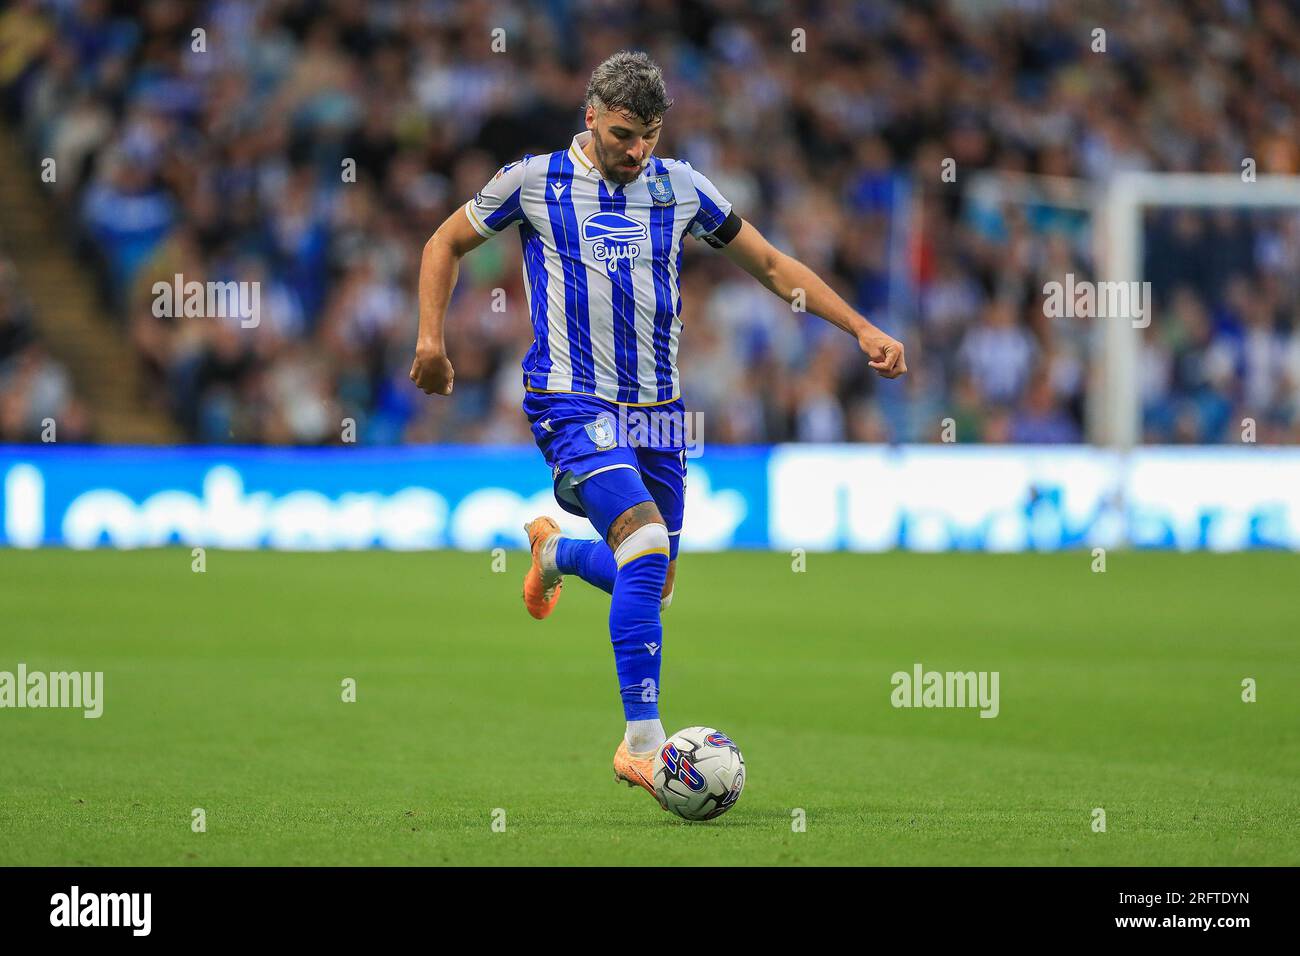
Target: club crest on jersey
column 661, row 190
column 601, row 433
column 614, row 236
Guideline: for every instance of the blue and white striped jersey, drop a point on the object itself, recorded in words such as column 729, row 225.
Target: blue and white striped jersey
column 602, row 266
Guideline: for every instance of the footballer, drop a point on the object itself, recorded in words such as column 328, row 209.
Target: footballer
column 603, row 224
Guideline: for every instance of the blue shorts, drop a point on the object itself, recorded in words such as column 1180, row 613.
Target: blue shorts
column 605, row 457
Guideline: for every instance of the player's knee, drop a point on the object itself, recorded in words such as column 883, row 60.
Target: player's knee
column 649, row 539
column 632, row 520
column 642, row 561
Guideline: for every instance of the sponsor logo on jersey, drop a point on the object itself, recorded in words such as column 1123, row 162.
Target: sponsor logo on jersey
column 614, row 237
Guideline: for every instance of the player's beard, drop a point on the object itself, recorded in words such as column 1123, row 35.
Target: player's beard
column 610, row 161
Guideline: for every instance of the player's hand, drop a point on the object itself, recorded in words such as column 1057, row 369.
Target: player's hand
column 885, row 354
column 432, row 372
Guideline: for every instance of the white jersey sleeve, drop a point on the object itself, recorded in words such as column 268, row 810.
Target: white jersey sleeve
column 496, row 206
column 714, row 207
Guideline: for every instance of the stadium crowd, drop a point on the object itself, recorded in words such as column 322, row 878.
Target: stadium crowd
column 228, row 155
column 37, row 398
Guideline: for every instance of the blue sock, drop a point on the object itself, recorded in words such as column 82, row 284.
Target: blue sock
column 637, row 633
column 590, row 560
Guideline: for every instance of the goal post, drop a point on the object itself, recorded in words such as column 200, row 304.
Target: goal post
column 1115, row 394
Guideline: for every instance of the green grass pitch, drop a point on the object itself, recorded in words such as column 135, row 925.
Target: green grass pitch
column 222, row 691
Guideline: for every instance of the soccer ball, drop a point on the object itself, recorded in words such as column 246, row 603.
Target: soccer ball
column 699, row 773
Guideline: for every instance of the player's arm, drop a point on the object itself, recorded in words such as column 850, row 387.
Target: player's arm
column 785, row 274
column 439, row 266
column 494, row 208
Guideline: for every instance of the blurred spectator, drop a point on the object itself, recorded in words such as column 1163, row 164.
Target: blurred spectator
column 1041, row 420
column 37, row 402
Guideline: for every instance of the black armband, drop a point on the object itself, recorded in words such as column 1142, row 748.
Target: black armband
column 724, row 233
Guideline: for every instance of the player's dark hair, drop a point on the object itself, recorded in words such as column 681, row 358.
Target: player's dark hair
column 629, row 81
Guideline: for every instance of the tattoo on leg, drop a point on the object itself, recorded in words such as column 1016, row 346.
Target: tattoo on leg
column 636, row 516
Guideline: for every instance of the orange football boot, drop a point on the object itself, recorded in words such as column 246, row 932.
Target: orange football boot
column 636, row 770
column 541, row 589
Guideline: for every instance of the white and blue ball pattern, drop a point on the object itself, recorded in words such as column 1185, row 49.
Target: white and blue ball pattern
column 699, row 773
